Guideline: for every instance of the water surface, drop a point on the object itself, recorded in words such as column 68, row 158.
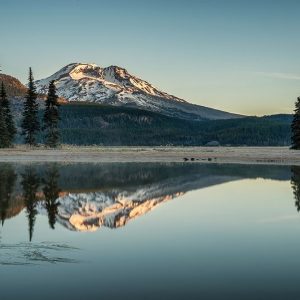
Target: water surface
column 149, row 231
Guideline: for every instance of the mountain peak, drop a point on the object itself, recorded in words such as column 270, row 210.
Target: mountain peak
column 116, row 68
column 98, row 83
column 114, row 85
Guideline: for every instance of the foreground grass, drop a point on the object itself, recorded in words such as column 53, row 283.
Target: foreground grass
column 96, row 154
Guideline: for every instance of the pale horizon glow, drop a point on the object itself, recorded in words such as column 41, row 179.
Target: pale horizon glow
column 237, row 56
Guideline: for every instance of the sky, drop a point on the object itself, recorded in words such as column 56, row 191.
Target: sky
column 239, row 56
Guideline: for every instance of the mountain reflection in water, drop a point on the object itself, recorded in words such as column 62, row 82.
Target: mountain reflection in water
column 85, row 197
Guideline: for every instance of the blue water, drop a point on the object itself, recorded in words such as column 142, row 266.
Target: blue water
column 149, row 231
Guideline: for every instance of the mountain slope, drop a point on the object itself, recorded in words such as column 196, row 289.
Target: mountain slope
column 115, row 86
column 13, row 86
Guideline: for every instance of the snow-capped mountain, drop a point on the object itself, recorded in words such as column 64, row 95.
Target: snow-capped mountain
column 115, row 86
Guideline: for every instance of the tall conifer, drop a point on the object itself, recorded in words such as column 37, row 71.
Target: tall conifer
column 4, row 142
column 8, row 118
column 30, row 123
column 51, row 118
column 296, row 126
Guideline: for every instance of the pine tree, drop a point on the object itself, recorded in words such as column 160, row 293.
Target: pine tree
column 51, row 118
column 8, row 118
column 30, row 123
column 4, row 141
column 3, row 129
column 296, row 126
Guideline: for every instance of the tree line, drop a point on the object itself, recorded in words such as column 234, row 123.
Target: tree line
column 31, row 125
column 94, row 124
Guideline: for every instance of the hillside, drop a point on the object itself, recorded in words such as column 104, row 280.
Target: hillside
column 13, row 86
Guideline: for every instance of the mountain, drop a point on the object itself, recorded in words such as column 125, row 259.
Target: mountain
column 115, row 86
column 86, row 123
column 13, row 86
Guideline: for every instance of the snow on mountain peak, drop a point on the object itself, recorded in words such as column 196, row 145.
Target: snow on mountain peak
column 90, row 82
column 114, row 85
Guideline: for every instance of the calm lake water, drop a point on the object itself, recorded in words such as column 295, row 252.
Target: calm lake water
column 149, row 231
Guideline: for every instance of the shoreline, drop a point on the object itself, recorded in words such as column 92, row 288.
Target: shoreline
column 94, row 154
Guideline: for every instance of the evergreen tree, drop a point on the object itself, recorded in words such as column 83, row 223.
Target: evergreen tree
column 30, row 184
column 8, row 118
column 51, row 192
column 4, row 140
column 30, row 123
column 296, row 126
column 51, row 118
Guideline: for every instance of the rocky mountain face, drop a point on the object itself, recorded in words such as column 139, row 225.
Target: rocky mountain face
column 115, row 86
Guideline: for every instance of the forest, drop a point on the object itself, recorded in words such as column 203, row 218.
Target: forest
column 93, row 124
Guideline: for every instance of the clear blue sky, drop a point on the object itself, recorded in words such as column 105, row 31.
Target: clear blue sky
column 239, row 56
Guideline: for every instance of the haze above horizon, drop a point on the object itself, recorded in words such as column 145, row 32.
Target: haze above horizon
column 237, row 56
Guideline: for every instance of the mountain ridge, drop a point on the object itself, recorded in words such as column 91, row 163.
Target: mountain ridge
column 115, row 86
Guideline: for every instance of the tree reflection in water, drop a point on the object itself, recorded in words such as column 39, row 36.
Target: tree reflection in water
column 8, row 179
column 30, row 184
column 90, row 196
column 295, row 181
column 51, row 193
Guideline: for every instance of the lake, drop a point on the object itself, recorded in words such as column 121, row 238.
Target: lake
column 149, row 231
